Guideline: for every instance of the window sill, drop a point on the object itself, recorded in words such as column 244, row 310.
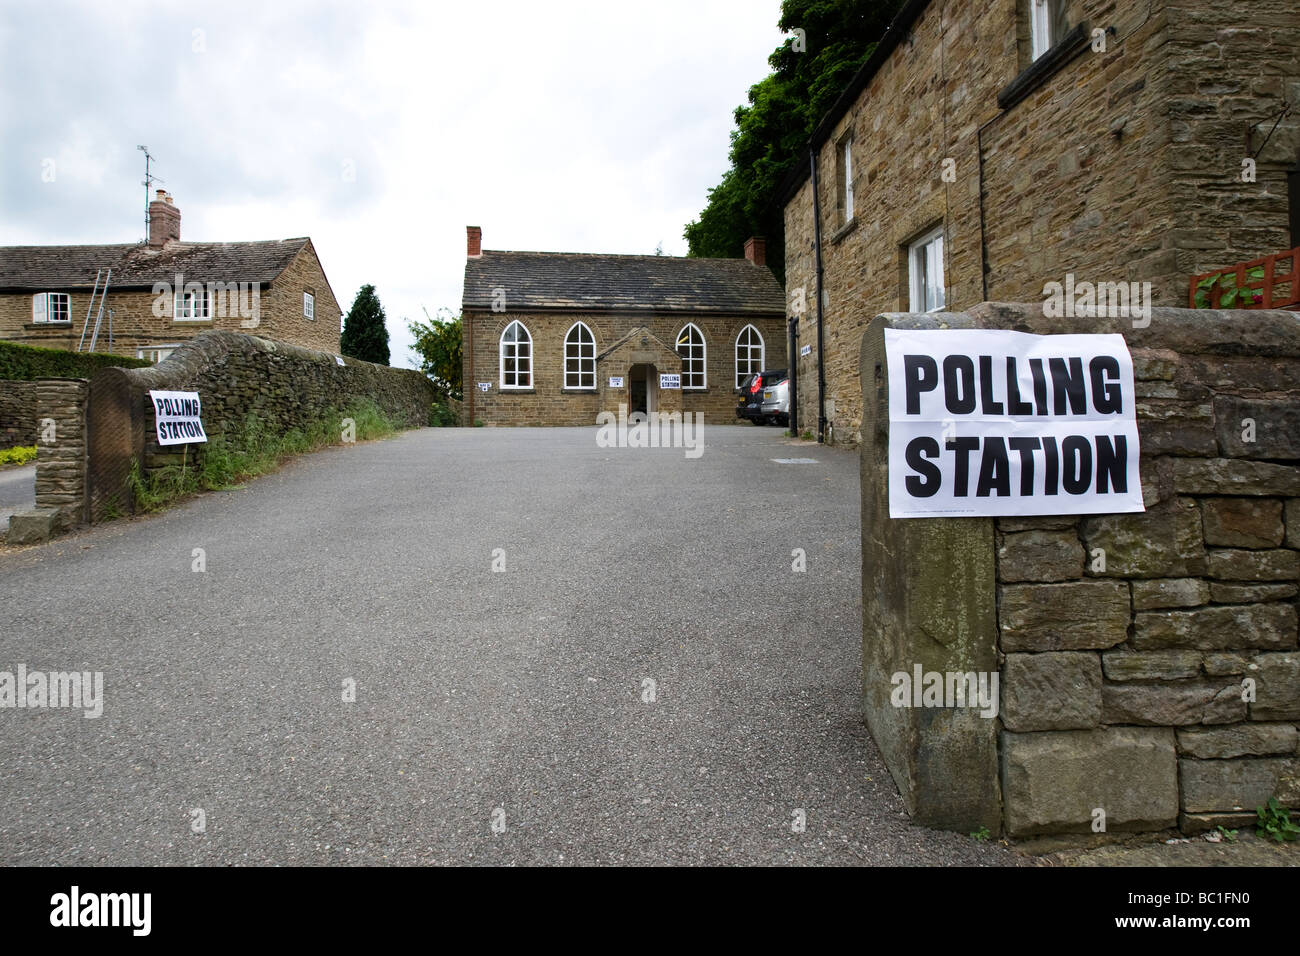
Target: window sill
column 1046, row 66
column 191, row 321
column 508, row 390
column 580, row 391
column 48, row 325
column 844, row 230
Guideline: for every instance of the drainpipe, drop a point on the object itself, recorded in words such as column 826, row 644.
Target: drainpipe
column 792, row 362
column 471, row 386
column 817, row 247
column 984, row 245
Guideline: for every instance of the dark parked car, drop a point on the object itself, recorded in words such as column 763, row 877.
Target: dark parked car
column 765, row 397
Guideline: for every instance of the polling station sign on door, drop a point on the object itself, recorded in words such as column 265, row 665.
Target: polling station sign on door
column 179, row 417
column 987, row 422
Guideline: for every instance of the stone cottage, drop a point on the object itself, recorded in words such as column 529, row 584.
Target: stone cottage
column 990, row 147
column 554, row 338
column 164, row 291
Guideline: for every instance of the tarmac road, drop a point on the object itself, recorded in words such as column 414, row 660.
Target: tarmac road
column 17, row 490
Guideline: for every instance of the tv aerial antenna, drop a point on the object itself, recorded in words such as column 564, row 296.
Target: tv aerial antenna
column 149, row 180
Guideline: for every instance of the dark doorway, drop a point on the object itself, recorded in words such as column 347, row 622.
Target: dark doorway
column 642, row 389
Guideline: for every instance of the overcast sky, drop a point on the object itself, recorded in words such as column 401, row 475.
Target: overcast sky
column 381, row 130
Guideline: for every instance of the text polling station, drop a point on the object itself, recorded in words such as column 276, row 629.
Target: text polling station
column 992, row 422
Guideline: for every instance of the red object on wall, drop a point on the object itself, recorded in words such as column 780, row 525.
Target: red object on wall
column 1267, row 285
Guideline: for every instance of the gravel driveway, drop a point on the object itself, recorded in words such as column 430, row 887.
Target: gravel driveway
column 500, row 717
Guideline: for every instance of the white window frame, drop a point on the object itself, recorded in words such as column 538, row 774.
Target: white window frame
column 523, row 349
column 689, row 371
column 749, row 366
column 848, row 180
column 576, row 351
column 183, row 309
column 1040, row 27
column 925, row 258
column 309, row 306
column 43, row 308
column 149, row 353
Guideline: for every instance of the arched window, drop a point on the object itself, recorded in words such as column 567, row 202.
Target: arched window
column 579, row 357
column 690, row 346
column 749, row 354
column 516, row 357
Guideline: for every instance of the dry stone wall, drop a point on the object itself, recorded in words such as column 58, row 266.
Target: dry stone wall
column 283, row 386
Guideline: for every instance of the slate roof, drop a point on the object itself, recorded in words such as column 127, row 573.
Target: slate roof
column 572, row 281
column 139, row 266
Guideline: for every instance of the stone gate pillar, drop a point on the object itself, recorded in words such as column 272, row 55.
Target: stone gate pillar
column 928, row 601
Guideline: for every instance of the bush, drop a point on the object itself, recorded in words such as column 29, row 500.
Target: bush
column 440, row 416
column 27, row 362
column 17, row 456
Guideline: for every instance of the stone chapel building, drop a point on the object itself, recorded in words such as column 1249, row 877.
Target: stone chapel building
column 554, row 338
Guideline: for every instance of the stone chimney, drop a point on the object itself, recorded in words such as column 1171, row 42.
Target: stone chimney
column 756, row 250
column 164, row 220
column 474, row 241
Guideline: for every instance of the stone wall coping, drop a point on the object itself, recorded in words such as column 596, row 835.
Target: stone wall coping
column 1253, row 332
column 202, row 351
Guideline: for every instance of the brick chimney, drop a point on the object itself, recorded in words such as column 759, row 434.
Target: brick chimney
column 164, row 220
column 474, row 241
column 756, row 250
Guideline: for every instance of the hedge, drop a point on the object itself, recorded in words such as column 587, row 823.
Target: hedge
column 27, row 362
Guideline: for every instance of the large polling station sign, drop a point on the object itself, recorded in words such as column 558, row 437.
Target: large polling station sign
column 179, row 417
column 990, row 422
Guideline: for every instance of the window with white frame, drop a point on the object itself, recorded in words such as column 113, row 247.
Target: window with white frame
column 848, row 180
column 579, row 357
column 925, row 272
column 749, row 354
column 1046, row 25
column 157, row 353
column 690, row 346
column 516, row 357
column 309, row 305
column 193, row 304
column 51, row 308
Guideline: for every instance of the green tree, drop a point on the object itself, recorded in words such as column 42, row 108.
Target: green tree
column 438, row 343
column 365, row 332
column 829, row 42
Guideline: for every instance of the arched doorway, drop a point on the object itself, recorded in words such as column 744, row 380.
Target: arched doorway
column 642, row 389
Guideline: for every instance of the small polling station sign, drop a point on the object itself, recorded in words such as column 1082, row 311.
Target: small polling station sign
column 670, row 381
column 178, row 416
column 986, row 422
